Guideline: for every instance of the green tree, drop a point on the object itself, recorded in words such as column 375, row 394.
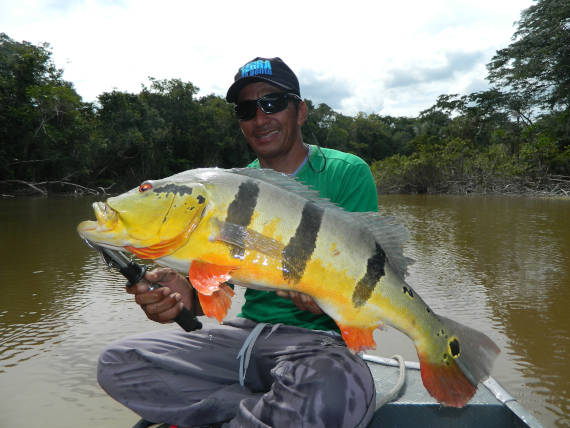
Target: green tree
column 536, row 65
column 175, row 103
column 402, row 131
column 129, row 133
column 323, row 127
column 43, row 122
column 163, row 130
column 372, row 137
column 221, row 142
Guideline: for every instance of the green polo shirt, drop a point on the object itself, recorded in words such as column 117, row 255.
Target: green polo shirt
column 346, row 180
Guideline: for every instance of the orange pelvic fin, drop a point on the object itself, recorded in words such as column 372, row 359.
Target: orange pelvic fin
column 446, row 382
column 358, row 338
column 208, row 278
column 218, row 303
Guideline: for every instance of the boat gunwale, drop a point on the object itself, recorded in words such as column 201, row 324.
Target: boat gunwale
column 491, row 384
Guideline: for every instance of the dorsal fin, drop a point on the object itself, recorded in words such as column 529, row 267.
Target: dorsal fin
column 390, row 235
column 286, row 182
column 387, row 232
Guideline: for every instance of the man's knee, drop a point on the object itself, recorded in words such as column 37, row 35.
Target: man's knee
column 334, row 388
column 112, row 359
column 348, row 390
column 105, row 365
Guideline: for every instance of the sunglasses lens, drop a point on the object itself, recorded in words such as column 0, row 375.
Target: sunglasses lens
column 246, row 110
column 273, row 103
column 269, row 104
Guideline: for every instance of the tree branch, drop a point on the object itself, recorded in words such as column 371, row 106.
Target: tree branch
column 32, row 185
column 38, row 186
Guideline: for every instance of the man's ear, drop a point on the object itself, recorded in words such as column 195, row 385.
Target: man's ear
column 302, row 112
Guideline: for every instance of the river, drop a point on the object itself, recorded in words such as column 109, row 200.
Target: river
column 499, row 264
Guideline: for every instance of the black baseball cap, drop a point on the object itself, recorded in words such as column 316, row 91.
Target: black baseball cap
column 270, row 70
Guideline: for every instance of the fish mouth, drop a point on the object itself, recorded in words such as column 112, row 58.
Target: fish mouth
column 106, row 216
column 106, row 221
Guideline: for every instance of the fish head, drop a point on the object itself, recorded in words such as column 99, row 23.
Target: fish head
column 151, row 221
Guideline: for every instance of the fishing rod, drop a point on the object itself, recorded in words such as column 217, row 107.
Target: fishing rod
column 134, row 272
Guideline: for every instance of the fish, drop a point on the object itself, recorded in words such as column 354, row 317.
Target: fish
column 261, row 229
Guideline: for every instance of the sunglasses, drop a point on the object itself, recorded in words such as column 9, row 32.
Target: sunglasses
column 269, row 104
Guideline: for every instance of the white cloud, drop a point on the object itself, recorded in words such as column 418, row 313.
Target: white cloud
column 378, row 57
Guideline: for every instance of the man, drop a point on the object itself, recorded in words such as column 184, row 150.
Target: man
column 293, row 368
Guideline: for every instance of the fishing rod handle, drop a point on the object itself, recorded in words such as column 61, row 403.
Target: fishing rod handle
column 187, row 320
column 135, row 273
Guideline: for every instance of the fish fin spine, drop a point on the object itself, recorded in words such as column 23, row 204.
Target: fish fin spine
column 218, row 303
column 358, row 338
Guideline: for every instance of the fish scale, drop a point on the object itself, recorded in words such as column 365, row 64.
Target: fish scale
column 264, row 230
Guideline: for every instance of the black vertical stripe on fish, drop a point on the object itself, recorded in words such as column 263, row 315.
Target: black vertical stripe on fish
column 374, row 271
column 301, row 246
column 240, row 210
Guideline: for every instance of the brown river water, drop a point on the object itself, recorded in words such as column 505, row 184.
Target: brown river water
column 499, row 264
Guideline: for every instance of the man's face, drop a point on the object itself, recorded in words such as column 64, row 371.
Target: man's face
column 271, row 135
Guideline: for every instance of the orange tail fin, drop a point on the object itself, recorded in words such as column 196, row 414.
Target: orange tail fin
column 458, row 358
column 446, row 382
column 357, row 338
column 218, row 303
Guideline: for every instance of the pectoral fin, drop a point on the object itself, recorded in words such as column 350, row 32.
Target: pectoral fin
column 218, row 303
column 207, row 278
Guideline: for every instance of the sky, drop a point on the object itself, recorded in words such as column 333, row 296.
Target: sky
column 390, row 57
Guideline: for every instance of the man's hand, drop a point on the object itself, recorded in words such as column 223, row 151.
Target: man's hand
column 302, row 301
column 163, row 304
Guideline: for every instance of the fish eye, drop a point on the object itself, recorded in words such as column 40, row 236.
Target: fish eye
column 144, row 187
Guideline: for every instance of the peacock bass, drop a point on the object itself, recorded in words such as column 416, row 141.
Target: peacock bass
column 261, row 229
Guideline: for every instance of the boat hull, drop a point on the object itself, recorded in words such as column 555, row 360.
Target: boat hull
column 491, row 406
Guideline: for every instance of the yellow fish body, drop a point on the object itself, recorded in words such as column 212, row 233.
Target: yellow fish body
column 261, row 229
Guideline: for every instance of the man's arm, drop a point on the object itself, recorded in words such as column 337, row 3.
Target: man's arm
column 302, row 301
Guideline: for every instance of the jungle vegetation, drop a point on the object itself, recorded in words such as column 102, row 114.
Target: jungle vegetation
column 513, row 137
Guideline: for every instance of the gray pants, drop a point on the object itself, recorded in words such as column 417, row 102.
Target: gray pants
column 295, row 378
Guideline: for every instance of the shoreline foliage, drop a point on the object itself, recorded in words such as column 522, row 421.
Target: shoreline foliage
column 511, row 138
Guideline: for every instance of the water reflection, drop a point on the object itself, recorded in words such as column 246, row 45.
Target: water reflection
column 501, row 265
column 39, row 271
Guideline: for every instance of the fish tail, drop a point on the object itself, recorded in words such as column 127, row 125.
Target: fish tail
column 446, row 383
column 461, row 359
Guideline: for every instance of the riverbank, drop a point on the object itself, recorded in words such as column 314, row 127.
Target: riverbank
column 14, row 188
column 554, row 186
